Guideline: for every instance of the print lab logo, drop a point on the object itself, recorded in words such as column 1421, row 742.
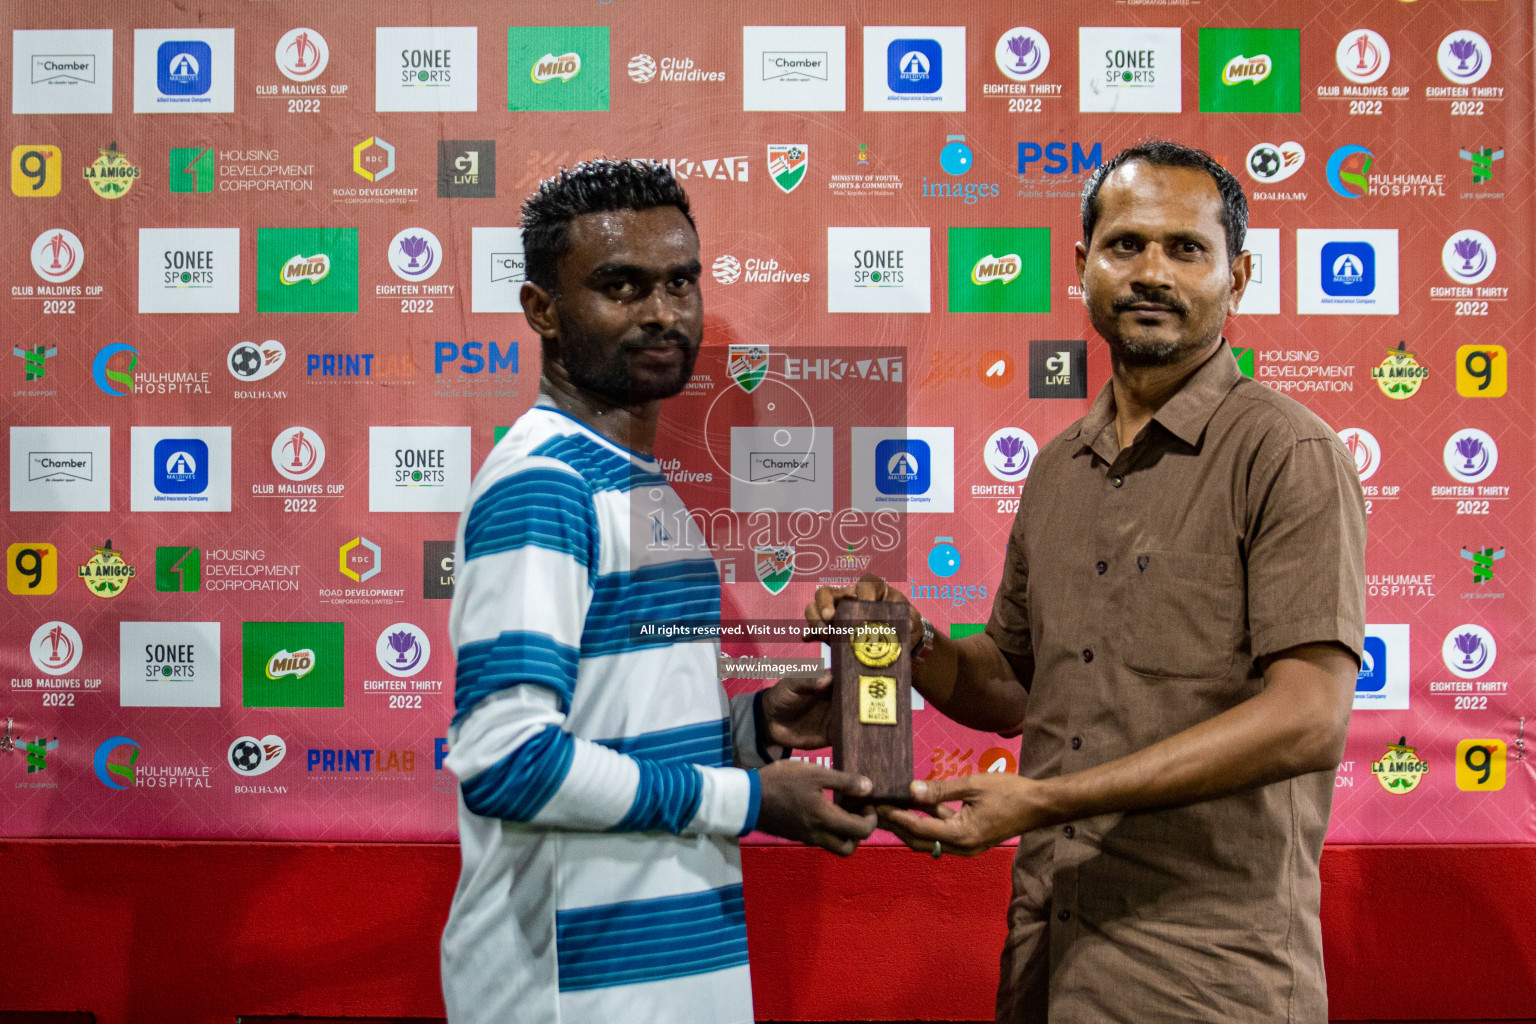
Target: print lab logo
column 302, row 54
column 57, row 255
column 1469, row 257
column 466, row 169
column 1464, row 57
column 1363, row 56
column 250, row 361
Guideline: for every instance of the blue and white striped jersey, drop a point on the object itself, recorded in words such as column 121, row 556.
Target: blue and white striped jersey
column 598, row 809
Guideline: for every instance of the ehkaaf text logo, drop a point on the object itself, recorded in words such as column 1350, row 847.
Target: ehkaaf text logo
column 1400, row 768
column 106, row 573
column 111, row 175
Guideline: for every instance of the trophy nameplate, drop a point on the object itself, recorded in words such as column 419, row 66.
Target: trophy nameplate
column 871, row 725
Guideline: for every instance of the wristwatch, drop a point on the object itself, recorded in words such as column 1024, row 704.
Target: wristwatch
column 924, row 645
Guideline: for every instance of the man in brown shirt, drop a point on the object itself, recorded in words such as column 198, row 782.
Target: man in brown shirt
column 1176, row 636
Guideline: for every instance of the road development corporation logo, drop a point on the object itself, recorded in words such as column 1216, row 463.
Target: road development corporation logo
column 184, row 71
column 403, row 650
column 1363, row 56
column 292, row 665
column 1400, row 768
column 298, row 453
column 914, row 68
column 415, row 254
column 168, row 664
column 1400, row 376
column 1250, row 70
column 1009, row 453
column 1382, row 682
column 1469, row 651
column 302, row 54
column 249, row 755
column 775, row 566
column 250, row 361
column 57, row 255
column 1471, row 456
column 787, row 163
column 1022, row 54
column 426, row 68
column 1364, row 449
column 1269, row 163
column 61, row 71
column 1464, row 57
column 1129, row 70
column 56, row 648
column 360, row 559
column 373, row 158
column 557, row 68
column 794, row 67
column 1469, row 257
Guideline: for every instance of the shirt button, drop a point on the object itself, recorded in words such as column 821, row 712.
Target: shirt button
column 1069, row 831
column 1101, row 568
column 1087, row 655
column 1077, row 743
column 1117, row 481
column 1062, row 915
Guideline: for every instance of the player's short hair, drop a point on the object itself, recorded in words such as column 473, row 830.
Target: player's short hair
column 1162, row 153
column 592, row 186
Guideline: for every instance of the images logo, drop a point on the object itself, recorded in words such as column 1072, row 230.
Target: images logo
column 1058, row 369
column 1481, row 765
column 249, row 361
column 1022, row 54
column 36, row 171
column 292, row 665
column 786, row 165
column 1482, row 561
column 184, row 68
column 466, row 169
column 302, row 54
column 1482, row 162
column 298, row 453
column 403, row 650
column 105, row 378
column 415, row 254
column 1482, row 371
column 1471, row 456
column 557, row 68
column 56, row 648
column 1348, row 171
column 361, row 559
column 108, row 772
column 1363, row 56
column 999, row 270
column 57, row 255
column 1269, row 163
column 775, row 566
column 373, row 158
column 1469, row 257
column 1464, row 57
column 1363, row 447
column 1250, row 70
column 1009, row 453
column 192, row 170
column 306, row 270
column 251, row 756
column 181, row 466
column 1399, row 376
column 944, row 557
column 1469, row 651
column 178, row 570
column 32, row 568
column 1400, row 768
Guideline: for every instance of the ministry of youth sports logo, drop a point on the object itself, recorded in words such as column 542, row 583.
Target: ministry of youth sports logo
column 298, row 453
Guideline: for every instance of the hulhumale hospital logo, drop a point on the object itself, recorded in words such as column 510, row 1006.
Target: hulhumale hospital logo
column 121, row 773
column 1348, row 171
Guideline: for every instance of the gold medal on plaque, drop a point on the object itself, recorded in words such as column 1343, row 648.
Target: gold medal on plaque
column 875, row 644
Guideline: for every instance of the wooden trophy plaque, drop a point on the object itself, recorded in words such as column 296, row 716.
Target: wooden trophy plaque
column 872, row 699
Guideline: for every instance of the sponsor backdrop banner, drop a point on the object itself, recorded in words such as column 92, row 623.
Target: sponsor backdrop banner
column 262, row 316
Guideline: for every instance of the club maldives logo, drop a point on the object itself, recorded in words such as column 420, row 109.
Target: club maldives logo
column 106, row 573
column 1471, row 456
column 111, row 175
column 787, row 163
column 1482, row 162
column 249, row 755
column 1469, row 257
column 1363, row 56
column 747, row 366
column 726, row 269
column 415, row 254
column 1022, row 54
column 1482, row 560
column 57, row 255
column 1400, row 376
column 298, row 453
column 56, row 648
column 119, row 774
column 775, row 566
column 1269, row 163
column 302, row 54
column 1349, row 171
column 1364, row 449
column 1400, row 768
column 403, row 650
column 251, row 361
column 1009, row 453
column 1464, row 57
column 1469, row 651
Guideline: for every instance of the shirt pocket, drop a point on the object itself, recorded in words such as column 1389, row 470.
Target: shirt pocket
column 1184, row 614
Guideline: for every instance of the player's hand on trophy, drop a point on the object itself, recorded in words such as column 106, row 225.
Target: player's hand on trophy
column 823, row 604
column 799, row 710
column 993, row 808
column 793, row 806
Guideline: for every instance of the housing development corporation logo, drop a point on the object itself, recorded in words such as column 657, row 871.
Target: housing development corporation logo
column 557, row 68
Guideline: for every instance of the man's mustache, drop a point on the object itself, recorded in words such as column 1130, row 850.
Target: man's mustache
column 671, row 339
column 1127, row 304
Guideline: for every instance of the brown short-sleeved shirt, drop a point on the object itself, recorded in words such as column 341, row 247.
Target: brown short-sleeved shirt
column 1145, row 583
